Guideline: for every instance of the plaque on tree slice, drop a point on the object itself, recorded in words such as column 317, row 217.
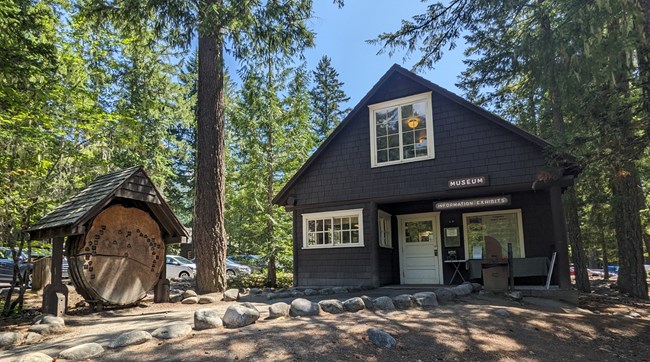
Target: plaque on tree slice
column 120, row 257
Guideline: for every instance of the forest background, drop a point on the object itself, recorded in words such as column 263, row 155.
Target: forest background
column 81, row 96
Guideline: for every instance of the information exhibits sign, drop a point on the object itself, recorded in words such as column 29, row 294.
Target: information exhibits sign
column 472, row 203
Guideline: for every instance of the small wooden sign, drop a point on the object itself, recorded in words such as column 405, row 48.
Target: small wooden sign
column 472, row 203
column 467, row 182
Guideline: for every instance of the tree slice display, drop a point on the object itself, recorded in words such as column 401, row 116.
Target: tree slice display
column 120, row 257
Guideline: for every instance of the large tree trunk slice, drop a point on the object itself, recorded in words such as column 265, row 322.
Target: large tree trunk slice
column 120, row 257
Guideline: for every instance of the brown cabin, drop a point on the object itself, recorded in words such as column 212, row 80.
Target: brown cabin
column 416, row 177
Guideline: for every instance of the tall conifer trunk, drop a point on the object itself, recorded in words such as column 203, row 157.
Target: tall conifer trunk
column 627, row 193
column 570, row 200
column 272, row 275
column 626, row 203
column 209, row 234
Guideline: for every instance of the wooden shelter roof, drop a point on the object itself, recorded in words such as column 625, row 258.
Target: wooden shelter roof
column 132, row 183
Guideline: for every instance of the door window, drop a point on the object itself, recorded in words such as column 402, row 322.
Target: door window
column 418, row 231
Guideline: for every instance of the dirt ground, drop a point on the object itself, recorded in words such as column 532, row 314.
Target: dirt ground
column 601, row 328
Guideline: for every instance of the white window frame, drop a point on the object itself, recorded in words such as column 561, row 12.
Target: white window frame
column 495, row 212
column 374, row 108
column 385, row 242
column 332, row 214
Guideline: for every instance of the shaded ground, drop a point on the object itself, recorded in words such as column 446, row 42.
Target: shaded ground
column 468, row 329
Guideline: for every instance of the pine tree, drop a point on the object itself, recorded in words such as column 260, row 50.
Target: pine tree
column 327, row 97
column 250, row 30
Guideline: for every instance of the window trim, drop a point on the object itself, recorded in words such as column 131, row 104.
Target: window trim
column 384, row 215
column 373, row 108
column 331, row 214
column 522, row 244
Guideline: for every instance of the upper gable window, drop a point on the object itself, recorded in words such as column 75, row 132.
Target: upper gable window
column 401, row 130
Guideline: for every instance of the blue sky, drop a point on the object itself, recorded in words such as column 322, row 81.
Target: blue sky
column 341, row 34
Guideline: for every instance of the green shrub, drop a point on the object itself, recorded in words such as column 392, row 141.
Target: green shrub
column 260, row 280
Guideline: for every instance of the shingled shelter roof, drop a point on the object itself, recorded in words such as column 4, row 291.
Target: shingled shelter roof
column 132, row 183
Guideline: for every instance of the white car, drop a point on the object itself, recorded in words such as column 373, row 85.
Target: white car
column 179, row 267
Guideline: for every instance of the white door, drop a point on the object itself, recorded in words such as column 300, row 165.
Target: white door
column 420, row 254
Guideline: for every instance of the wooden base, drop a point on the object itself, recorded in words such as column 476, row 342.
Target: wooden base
column 55, row 299
column 161, row 291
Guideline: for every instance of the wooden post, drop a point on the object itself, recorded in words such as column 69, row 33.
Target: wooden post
column 55, row 294
column 161, row 290
column 560, row 236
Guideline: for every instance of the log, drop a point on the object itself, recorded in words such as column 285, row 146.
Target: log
column 120, row 258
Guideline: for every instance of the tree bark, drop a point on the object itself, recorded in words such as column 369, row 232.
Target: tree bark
column 570, row 201
column 208, row 233
column 271, row 271
column 578, row 257
column 603, row 241
column 646, row 241
column 626, row 203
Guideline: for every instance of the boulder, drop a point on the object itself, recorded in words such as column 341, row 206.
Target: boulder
column 426, row 299
column 190, row 300
column 297, row 293
column 176, row 330
column 33, row 338
column 354, row 305
column 129, row 339
column 302, row 307
column 46, row 329
column 175, row 298
column 340, row 290
column 462, row 290
column 309, row 292
column 231, row 295
column 380, row 338
column 189, row 293
column 383, row 303
column 445, row 295
column 403, row 301
column 502, row 312
column 326, row 291
column 82, row 352
column 240, row 315
column 278, row 310
column 207, row 318
column 50, row 319
column 9, row 339
column 206, row 300
column 367, row 301
column 34, row 357
column 333, row 306
column 280, row 295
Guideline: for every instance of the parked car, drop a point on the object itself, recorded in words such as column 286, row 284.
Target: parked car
column 233, row 268
column 596, row 272
column 7, row 266
column 613, row 269
column 179, row 267
column 255, row 262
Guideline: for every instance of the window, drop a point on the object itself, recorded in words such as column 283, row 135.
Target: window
column 333, row 229
column 504, row 225
column 401, row 130
column 385, row 235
